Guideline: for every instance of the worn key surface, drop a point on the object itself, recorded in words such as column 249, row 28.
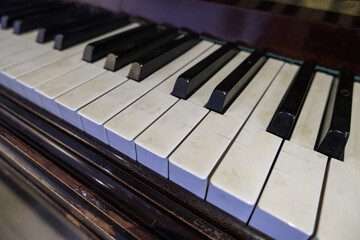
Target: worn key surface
column 212, row 137
column 238, row 180
column 289, row 203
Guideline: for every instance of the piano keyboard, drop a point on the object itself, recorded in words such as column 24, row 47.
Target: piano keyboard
column 240, row 130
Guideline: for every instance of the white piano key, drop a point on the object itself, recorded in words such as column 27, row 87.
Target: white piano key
column 96, row 114
column 124, row 71
column 290, row 209
column 6, row 32
column 12, row 38
column 35, row 63
column 9, row 41
column 15, row 46
column 101, row 62
column 80, row 96
column 23, row 55
column 22, row 51
column 125, row 126
column 12, row 48
column 34, row 78
column 264, row 112
column 145, row 111
column 308, row 124
column 80, row 47
column 32, row 35
column 25, row 45
column 27, row 53
column 194, row 159
column 340, row 210
column 42, row 75
column 192, row 162
column 238, row 180
column 60, row 85
column 156, row 143
column 17, row 70
column 160, row 139
column 255, row 89
column 13, row 72
column 288, row 206
column 3, row 37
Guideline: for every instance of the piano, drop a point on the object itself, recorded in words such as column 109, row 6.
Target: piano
column 183, row 119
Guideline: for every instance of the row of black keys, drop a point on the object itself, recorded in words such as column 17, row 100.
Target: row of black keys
column 149, row 49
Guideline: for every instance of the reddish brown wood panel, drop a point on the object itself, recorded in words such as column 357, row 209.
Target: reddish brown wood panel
column 330, row 45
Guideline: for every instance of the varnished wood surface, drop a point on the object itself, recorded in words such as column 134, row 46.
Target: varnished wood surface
column 350, row 7
column 122, row 197
column 328, row 38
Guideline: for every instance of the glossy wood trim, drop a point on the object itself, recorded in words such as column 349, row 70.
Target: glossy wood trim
column 64, row 193
column 18, row 175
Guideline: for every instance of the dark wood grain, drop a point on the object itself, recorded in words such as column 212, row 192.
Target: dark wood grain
column 74, row 198
column 25, row 181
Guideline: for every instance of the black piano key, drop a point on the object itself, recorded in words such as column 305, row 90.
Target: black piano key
column 285, row 117
column 161, row 56
column 31, row 23
column 335, row 129
column 122, row 41
column 7, row 20
column 78, row 22
column 191, row 80
column 119, row 59
column 231, row 87
column 71, row 38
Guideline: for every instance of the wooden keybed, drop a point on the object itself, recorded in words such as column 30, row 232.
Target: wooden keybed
column 67, row 167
